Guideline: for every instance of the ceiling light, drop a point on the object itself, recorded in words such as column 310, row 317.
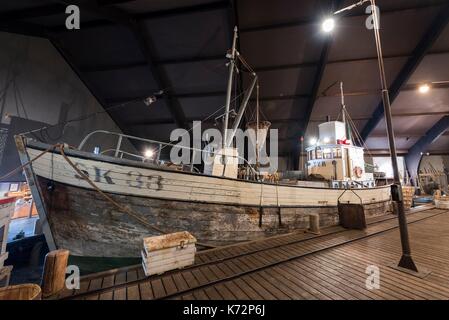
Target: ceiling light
column 149, row 100
column 149, row 154
column 313, row 141
column 328, row 25
column 424, row 88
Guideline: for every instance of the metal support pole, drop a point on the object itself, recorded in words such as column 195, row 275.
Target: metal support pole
column 242, row 109
column 396, row 189
column 119, row 144
column 159, row 151
column 193, row 160
column 231, row 57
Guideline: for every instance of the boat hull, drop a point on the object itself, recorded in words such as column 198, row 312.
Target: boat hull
column 84, row 222
column 215, row 210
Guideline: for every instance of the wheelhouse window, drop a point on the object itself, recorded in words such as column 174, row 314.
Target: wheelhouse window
column 337, row 153
column 312, row 154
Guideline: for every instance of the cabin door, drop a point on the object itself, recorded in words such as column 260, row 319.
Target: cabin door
column 348, row 163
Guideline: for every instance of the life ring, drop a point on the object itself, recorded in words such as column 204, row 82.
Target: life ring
column 358, row 172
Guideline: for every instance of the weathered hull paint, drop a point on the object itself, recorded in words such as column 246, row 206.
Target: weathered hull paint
column 85, row 223
column 215, row 210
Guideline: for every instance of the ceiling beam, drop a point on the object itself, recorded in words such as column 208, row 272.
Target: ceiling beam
column 202, row 7
column 286, row 66
column 113, row 67
column 414, row 155
column 233, row 22
column 333, row 5
column 395, row 115
column 305, row 22
column 193, row 95
column 284, row 97
column 59, row 9
column 24, row 28
column 101, row 22
column 319, row 72
column 33, row 12
column 199, row 95
column 316, row 63
column 151, row 122
column 408, row 87
column 128, row 65
column 146, row 46
column 69, row 60
column 257, row 69
column 192, row 59
column 112, row 2
column 420, row 51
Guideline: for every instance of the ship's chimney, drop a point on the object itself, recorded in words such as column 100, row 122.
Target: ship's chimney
column 328, row 118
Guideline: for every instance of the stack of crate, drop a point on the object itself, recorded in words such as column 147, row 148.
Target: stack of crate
column 168, row 252
column 408, row 193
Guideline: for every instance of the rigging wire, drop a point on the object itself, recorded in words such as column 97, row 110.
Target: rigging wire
column 209, row 116
column 357, row 134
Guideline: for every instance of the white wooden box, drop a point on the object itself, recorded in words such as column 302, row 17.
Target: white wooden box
column 216, row 168
column 168, row 252
column 442, row 203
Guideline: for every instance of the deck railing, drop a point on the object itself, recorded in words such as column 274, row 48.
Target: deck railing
column 119, row 153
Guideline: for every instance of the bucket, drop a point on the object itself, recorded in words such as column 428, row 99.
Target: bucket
column 21, row 292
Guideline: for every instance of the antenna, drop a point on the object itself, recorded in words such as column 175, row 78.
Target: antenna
column 343, row 112
column 343, row 106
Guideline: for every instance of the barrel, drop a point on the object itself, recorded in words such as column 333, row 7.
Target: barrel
column 21, row 292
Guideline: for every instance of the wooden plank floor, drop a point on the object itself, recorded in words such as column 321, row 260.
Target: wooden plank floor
column 297, row 266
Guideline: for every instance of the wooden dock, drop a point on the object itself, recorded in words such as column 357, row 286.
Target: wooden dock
column 299, row 265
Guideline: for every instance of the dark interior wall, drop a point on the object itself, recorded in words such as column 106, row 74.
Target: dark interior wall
column 37, row 88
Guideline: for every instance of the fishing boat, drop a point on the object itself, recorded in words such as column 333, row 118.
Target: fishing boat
column 101, row 204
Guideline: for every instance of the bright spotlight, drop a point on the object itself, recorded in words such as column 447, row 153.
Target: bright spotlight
column 424, row 88
column 149, row 154
column 313, row 141
column 326, row 140
column 328, row 25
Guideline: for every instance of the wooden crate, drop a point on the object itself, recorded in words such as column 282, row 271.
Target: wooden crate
column 442, row 203
column 168, row 252
column 408, row 192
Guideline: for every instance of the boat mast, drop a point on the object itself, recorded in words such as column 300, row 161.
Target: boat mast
column 231, row 57
column 343, row 107
column 343, row 111
column 257, row 129
column 241, row 110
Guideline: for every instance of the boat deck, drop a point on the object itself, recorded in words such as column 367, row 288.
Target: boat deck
column 299, row 265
